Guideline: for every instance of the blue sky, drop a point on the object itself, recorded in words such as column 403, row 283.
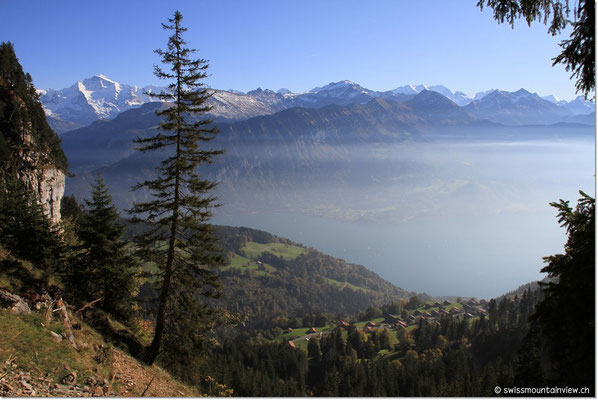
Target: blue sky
column 294, row 44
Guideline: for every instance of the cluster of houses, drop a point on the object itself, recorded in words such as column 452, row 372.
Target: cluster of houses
column 431, row 312
column 434, row 312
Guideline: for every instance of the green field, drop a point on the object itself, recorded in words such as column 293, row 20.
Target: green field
column 347, row 284
column 446, row 308
column 244, row 263
column 285, row 251
column 361, row 324
column 302, row 332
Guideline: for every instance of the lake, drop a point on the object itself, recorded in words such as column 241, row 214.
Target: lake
column 448, row 217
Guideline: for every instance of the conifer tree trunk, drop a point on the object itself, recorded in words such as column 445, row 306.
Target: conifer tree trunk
column 156, row 342
column 179, row 213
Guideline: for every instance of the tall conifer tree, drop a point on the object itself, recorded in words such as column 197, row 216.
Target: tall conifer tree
column 105, row 270
column 566, row 315
column 179, row 239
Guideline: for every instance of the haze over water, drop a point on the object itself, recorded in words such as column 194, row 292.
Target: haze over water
column 451, row 217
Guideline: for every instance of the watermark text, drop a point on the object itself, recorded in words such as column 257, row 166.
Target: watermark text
column 551, row 390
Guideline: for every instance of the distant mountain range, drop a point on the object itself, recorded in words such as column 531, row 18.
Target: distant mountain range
column 280, row 157
column 99, row 98
column 517, row 108
column 378, row 120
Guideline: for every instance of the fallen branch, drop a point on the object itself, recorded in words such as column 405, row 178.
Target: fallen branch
column 67, row 323
column 10, row 359
column 18, row 333
column 111, row 382
column 49, row 312
column 56, row 336
column 16, row 304
column 147, row 387
column 88, row 305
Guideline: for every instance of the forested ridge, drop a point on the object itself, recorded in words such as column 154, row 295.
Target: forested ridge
column 311, row 282
column 268, row 286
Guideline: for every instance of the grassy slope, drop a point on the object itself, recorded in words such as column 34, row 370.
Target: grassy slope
column 284, row 251
column 28, row 346
column 342, row 285
column 243, row 263
column 252, row 252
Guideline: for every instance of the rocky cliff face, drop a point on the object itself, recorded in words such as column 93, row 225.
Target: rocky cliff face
column 29, row 148
column 48, row 184
column 37, row 171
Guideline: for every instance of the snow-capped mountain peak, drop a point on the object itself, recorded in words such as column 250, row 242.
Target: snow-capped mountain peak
column 521, row 94
column 98, row 97
column 581, row 106
column 335, row 86
column 408, row 89
column 553, row 99
column 459, row 98
column 103, row 77
column 481, row 95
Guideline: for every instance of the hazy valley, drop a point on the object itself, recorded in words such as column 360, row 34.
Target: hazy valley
column 410, row 184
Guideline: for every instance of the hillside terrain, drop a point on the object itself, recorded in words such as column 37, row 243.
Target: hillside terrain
column 47, row 350
column 272, row 280
column 37, row 364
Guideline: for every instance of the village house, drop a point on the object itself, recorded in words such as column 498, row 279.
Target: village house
column 343, row 324
column 391, row 319
column 469, row 308
column 472, row 302
column 401, row 324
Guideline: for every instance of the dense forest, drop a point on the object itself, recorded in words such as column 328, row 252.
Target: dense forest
column 453, row 357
